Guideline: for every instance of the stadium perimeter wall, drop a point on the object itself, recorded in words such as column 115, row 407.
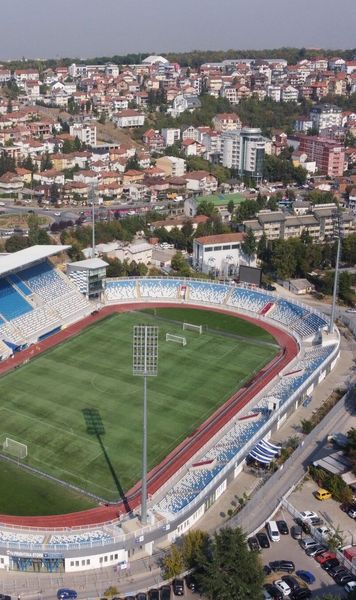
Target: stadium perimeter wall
column 92, row 555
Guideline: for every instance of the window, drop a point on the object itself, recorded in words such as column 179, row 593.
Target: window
column 77, row 563
column 83, row 563
column 235, row 246
column 226, row 247
column 116, row 556
column 111, row 557
column 100, row 559
column 208, row 249
column 72, row 563
column 217, row 248
column 105, row 559
column 88, row 561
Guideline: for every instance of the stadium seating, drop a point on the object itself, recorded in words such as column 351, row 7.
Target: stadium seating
column 12, row 304
column 44, row 280
column 249, row 299
column 120, row 290
column 286, row 312
column 83, row 538
column 159, row 288
column 25, row 539
column 38, row 321
column 69, row 304
column 208, row 292
column 15, row 280
column 9, row 333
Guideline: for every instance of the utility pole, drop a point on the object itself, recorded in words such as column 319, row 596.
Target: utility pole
column 337, row 235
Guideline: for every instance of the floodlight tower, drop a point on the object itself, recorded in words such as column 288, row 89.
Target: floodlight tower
column 92, row 199
column 145, row 364
column 337, row 235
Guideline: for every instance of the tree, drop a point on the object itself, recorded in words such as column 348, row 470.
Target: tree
column 54, row 193
column 231, row 206
column 16, row 242
column 180, row 265
column 173, row 563
column 193, row 544
column 227, row 569
column 249, row 244
column 133, row 163
column 206, row 207
column 46, row 162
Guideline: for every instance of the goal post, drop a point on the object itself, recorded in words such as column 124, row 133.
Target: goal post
column 191, row 327
column 179, row 339
column 15, row 448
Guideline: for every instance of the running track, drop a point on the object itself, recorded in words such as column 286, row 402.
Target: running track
column 160, row 474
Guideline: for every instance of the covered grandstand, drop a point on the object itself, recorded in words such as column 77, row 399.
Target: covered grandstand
column 186, row 484
column 36, row 300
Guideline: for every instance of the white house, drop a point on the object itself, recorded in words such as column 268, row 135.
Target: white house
column 170, row 135
column 84, row 132
column 201, row 181
column 129, row 118
column 220, row 255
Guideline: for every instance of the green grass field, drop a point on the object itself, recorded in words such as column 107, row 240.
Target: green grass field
column 79, row 409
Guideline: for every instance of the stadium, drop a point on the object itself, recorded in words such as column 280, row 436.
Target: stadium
column 234, row 361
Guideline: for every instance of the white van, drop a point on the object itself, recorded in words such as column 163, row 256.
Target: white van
column 272, row 531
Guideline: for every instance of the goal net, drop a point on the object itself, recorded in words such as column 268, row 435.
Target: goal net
column 14, row 448
column 191, row 327
column 179, row 339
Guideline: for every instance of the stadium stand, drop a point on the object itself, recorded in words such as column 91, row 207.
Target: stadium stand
column 91, row 536
column 12, row 304
column 248, row 299
column 45, row 281
column 120, row 290
column 208, row 292
column 159, row 288
column 25, row 539
column 286, row 312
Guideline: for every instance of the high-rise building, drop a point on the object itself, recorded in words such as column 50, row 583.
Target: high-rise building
column 324, row 116
column 244, row 151
column 328, row 155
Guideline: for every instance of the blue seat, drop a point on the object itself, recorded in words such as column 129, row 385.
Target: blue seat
column 12, row 304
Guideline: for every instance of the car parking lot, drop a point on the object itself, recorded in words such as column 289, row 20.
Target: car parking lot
column 329, row 510
column 289, row 549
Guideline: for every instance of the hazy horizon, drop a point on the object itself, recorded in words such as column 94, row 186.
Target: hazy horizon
column 86, row 28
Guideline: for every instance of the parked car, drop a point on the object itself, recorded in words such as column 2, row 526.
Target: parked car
column 296, row 532
column 323, row 530
column 282, row 586
column 306, row 515
column 352, row 513
column 66, row 594
column 141, row 596
column 336, row 570
column 165, row 592
column 344, row 578
column 153, row 594
column 273, row 591
column 322, row 494
column 316, row 521
column 315, row 550
column 262, row 539
column 178, row 587
column 191, row 582
column 291, row 581
column 321, row 558
column 253, row 543
column 267, row 570
column 306, row 576
column 330, row 564
column 301, row 594
column 282, row 565
column 282, row 527
column 350, row 587
column 308, row 543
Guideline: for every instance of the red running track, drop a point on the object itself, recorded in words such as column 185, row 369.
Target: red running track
column 160, row 474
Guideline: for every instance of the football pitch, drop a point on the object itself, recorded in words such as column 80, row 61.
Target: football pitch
column 79, row 408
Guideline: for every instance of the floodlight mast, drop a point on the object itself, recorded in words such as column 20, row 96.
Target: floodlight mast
column 145, row 362
column 92, row 197
column 337, row 235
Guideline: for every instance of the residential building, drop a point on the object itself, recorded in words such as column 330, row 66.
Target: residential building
column 129, row 118
column 84, row 132
column 274, row 92
column 289, row 93
column 226, row 122
column 324, row 116
column 328, row 154
column 220, row 255
column 184, row 102
column 244, row 151
column 172, row 166
column 170, row 135
column 201, row 182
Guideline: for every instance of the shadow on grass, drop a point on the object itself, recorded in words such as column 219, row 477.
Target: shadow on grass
column 95, row 426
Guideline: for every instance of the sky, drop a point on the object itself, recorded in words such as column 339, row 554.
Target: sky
column 89, row 28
